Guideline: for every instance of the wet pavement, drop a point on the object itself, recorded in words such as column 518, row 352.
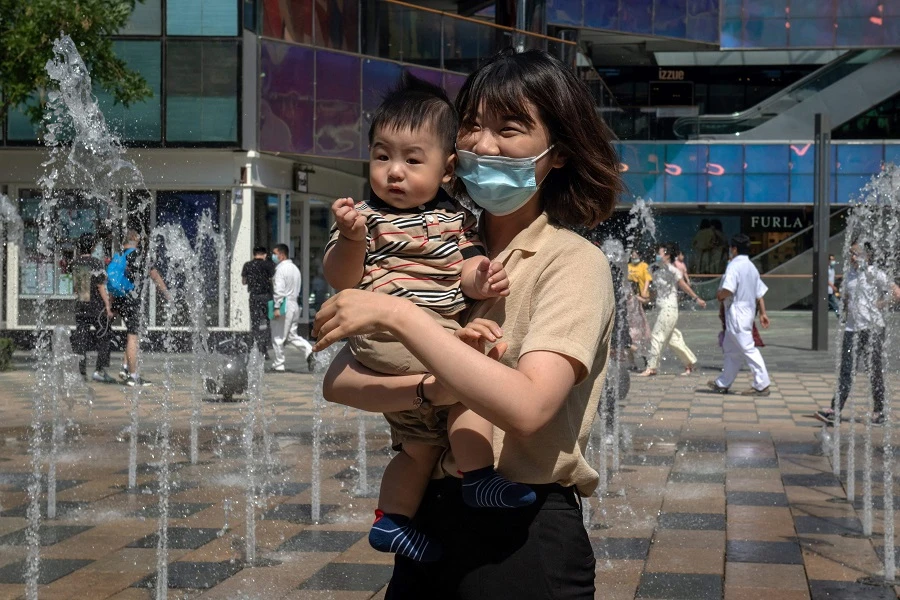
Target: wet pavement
column 717, row 496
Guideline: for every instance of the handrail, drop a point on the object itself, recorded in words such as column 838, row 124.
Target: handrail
column 479, row 22
column 759, row 110
column 803, row 231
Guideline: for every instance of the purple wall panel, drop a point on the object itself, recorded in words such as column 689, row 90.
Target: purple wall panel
column 338, row 109
column 286, row 98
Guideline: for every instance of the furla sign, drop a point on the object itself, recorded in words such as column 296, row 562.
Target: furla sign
column 776, row 221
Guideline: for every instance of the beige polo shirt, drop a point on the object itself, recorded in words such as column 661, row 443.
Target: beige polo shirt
column 561, row 300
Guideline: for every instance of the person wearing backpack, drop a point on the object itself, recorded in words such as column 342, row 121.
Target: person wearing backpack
column 123, row 278
column 93, row 309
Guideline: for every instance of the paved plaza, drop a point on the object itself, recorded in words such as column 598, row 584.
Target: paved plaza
column 717, row 496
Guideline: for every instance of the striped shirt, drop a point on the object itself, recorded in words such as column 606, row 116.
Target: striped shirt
column 418, row 253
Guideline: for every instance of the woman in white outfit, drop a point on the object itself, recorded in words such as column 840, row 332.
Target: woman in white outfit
column 668, row 279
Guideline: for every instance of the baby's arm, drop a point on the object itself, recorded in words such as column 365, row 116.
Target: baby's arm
column 483, row 279
column 344, row 263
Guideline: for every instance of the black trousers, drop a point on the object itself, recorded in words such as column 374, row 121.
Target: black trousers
column 541, row 551
column 92, row 333
column 869, row 349
column 259, row 322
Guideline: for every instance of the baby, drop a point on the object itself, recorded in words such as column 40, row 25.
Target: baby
column 411, row 239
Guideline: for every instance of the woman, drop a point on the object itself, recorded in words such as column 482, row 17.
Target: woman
column 668, row 280
column 534, row 155
column 639, row 276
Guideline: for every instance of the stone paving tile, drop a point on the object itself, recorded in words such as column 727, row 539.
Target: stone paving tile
column 50, row 570
column 717, row 496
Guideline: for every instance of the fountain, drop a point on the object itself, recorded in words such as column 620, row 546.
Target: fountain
column 871, row 236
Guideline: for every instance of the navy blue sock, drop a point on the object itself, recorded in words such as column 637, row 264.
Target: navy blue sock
column 393, row 533
column 485, row 488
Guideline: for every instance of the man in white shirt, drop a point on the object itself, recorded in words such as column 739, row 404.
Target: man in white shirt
column 286, row 285
column 865, row 291
column 832, row 289
column 741, row 290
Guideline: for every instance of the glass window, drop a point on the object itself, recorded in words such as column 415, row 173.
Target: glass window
column 202, row 91
column 567, row 12
column 337, row 25
column 338, row 105
column 765, row 33
column 765, row 158
column 140, row 121
column 186, row 210
column 146, row 19
column 811, row 33
column 636, row 17
column 669, row 18
column 286, row 97
column 20, row 127
column 859, row 32
column 766, row 188
column 860, row 158
column 602, row 15
column 811, row 8
column 765, row 9
column 291, row 20
column 202, row 17
column 727, row 188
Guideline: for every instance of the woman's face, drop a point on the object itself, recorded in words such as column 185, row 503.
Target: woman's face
column 507, row 135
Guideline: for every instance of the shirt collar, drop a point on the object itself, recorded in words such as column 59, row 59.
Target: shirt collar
column 380, row 205
column 529, row 239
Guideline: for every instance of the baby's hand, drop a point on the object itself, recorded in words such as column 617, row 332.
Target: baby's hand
column 491, row 280
column 350, row 223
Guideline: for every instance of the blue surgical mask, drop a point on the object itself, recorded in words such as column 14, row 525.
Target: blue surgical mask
column 499, row 184
column 658, row 258
column 275, row 258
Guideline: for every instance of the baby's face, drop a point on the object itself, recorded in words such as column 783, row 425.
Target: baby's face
column 406, row 167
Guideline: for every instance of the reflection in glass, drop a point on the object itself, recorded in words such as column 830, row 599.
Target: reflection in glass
column 141, row 121
column 338, row 109
column 337, row 24
column 290, row 20
column 286, row 97
column 146, row 19
column 201, row 17
column 202, row 91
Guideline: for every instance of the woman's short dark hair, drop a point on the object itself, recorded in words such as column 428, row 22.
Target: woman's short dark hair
column 584, row 191
column 671, row 249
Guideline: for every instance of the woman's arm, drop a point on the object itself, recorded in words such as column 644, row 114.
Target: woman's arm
column 520, row 400
column 690, row 292
column 349, row 383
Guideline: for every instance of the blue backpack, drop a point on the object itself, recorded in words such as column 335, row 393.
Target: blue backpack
column 116, row 281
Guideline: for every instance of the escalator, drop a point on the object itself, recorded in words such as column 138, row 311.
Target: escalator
column 843, row 88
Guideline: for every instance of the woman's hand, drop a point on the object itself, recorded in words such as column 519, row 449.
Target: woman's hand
column 476, row 334
column 355, row 312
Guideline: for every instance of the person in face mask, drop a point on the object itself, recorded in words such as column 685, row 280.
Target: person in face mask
column 537, row 158
column 640, row 278
column 832, row 288
column 867, row 292
column 665, row 333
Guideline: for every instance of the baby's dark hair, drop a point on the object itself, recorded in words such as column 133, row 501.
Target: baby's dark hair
column 414, row 104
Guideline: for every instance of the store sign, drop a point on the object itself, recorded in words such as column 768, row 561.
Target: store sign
column 301, row 181
column 671, row 75
column 778, row 221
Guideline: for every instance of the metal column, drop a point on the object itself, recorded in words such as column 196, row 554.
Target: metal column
column 821, row 232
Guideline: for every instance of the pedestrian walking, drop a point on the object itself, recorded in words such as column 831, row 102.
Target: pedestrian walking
column 124, row 282
column 742, row 292
column 257, row 275
column 668, row 280
column 286, row 286
column 865, row 292
column 832, row 288
column 93, row 309
column 639, row 279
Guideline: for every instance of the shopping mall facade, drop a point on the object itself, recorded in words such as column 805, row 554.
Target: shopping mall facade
column 260, row 114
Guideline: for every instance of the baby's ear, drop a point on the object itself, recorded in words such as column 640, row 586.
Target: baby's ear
column 449, row 168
